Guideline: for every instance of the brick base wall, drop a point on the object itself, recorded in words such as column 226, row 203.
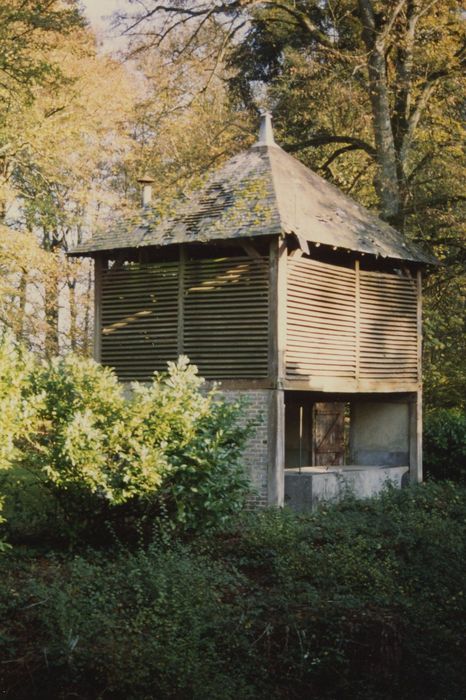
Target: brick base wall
column 256, row 454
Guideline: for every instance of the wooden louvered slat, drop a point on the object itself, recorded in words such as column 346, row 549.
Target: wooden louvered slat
column 326, row 283
column 311, row 371
column 388, row 322
column 298, row 294
column 226, row 317
column 139, row 319
column 350, row 323
column 319, row 267
column 388, row 288
column 215, row 325
column 320, row 320
column 315, row 307
column 340, row 322
column 321, row 280
column 224, row 309
column 323, row 340
column 383, row 285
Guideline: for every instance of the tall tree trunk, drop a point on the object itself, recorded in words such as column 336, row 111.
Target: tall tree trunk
column 402, row 117
column 51, row 243
column 387, row 183
column 52, row 293
column 73, row 309
column 22, row 298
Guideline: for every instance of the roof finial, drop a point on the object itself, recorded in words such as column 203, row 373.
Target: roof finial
column 266, row 131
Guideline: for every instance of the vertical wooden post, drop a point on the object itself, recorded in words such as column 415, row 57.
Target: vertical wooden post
column 277, row 370
column 419, row 326
column 415, row 441
column 276, row 448
column 98, row 273
column 273, row 306
column 415, row 438
column 281, row 308
column 357, row 318
column 277, row 309
column 181, row 291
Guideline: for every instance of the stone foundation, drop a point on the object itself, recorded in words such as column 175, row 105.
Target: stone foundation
column 308, row 487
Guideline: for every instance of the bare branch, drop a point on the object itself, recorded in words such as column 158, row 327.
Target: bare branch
column 383, row 36
column 438, row 201
column 413, row 120
column 336, row 154
column 186, row 12
column 325, row 139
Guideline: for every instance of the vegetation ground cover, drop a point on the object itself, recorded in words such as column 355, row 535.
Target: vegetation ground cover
column 361, row 599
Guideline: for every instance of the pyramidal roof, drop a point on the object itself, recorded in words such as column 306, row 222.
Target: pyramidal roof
column 262, row 191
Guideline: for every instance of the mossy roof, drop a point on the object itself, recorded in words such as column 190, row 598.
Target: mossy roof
column 260, row 192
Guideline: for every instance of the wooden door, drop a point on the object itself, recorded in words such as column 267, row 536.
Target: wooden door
column 329, row 434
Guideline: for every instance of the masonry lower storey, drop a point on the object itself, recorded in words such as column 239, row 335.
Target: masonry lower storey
column 310, row 447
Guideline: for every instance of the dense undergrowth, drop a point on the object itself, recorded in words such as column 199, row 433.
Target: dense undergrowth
column 359, row 600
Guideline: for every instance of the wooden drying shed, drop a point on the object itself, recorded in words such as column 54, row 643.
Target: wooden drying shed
column 283, row 289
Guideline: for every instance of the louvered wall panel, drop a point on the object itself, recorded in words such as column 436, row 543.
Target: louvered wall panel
column 351, row 324
column 321, row 320
column 226, row 317
column 388, row 327
column 139, row 319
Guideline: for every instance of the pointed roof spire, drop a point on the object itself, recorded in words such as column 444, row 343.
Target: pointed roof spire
column 266, row 131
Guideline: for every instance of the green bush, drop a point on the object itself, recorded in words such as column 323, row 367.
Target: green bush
column 445, row 444
column 168, row 449
column 364, row 599
column 15, row 412
column 359, row 600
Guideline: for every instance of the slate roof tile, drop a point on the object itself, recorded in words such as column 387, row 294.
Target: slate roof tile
column 261, row 191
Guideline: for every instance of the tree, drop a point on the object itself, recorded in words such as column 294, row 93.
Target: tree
column 60, row 177
column 184, row 121
column 24, row 270
column 29, row 31
column 402, row 59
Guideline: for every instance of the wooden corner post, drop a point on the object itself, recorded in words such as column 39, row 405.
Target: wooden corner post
column 98, row 272
column 277, row 347
column 181, row 295
column 415, row 432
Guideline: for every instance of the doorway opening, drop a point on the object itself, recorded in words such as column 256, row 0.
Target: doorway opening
column 316, row 432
